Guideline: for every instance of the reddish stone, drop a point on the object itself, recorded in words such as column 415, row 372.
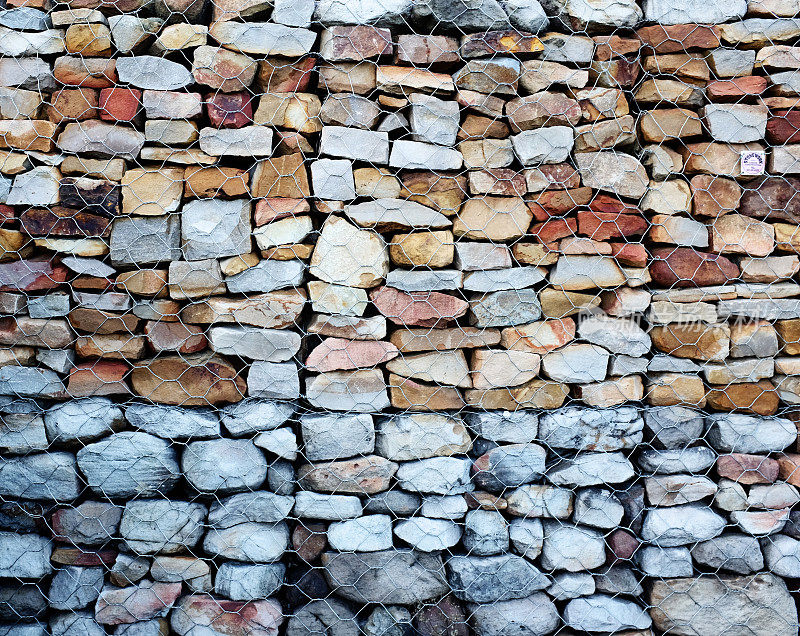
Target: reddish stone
column 72, row 104
column 309, row 540
column 558, row 202
column 789, row 464
column 499, row 181
column 284, row 76
column 772, row 199
column 562, row 176
column 605, row 225
column 7, row 214
column 418, row 309
column 686, row 267
column 341, row 354
column 355, row 43
column 31, row 275
column 61, row 221
column 783, row 127
column 738, row 87
column 229, row 110
column 759, row 398
column 622, row 544
column 175, row 336
column 608, row 203
column 99, row 377
column 554, row 229
column 748, row 469
column 268, row 210
column 630, row 254
column 608, row 47
column 123, row 605
column 500, row 42
column 120, row 104
column 444, row 618
column 234, row 618
column 88, row 72
column 680, row 37
column 713, row 195
column 619, row 73
column 83, row 557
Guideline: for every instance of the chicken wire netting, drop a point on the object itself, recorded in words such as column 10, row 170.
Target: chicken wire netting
column 394, row 317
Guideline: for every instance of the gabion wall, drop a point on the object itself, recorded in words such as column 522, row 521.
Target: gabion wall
column 395, row 317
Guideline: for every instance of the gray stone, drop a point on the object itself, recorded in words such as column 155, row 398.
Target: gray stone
column 660, row 562
column 90, row 523
column 100, row 139
column 74, row 588
column 25, row 19
column 331, row 436
column 738, row 553
column 571, row 548
column 674, row 426
column 24, row 556
column 251, row 542
column 146, row 240
column 736, row 433
column 152, row 526
column 425, row 280
column 16, row 44
column 501, row 279
column 129, row 569
column 22, row 433
column 224, row 465
column 296, row 13
column 581, row 428
column 731, row 62
column 251, row 416
column 760, row 309
column 671, row 490
column 477, row 257
column 444, row 507
column 527, row 537
column 257, row 343
column 598, row 507
column 38, row 186
column 601, row 613
column 584, row 363
column 350, row 110
column 248, row 582
column 526, row 15
column 388, row 621
column 428, row 535
column 420, row 435
column 263, row 38
column 75, row 624
column 591, row 469
column 700, row 605
column 505, row 308
column 568, row 585
column 129, row 31
column 543, row 145
column 681, row 525
column 693, row 11
column 493, row 578
column 417, row 155
column 378, row 12
column 736, row 123
column 383, row 214
column 773, row 496
column 684, row 460
column 518, row 427
column 59, row 360
column 391, row 576
column 281, row 478
column 31, row 73
column 613, row 172
column 153, row 627
column 333, row 179
column 212, row 228
column 314, row 505
column 129, row 464
column 173, row 422
column 263, row 506
column 618, row 580
column 509, row 466
column 617, row 335
column 591, row 16
column 437, row 475
column 82, row 420
column 355, row 143
column 534, row 615
column 273, row 380
column 369, row 533
column 248, row 141
column 393, row 502
column 485, row 532
column 280, row 442
column 782, row 555
column 463, row 15
column 434, row 120
column 153, row 73
column 267, row 276
column 53, row 305
column 46, row 476
column 329, row 616
column 540, row 501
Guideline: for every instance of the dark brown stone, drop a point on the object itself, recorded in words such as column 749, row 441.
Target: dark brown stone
column 90, row 195
column 61, row 221
column 445, row 618
column 309, row 540
column 772, row 199
column 783, row 127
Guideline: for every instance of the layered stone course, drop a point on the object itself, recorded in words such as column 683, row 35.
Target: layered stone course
column 389, row 317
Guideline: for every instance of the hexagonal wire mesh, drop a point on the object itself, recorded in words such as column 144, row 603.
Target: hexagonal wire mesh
column 436, row 317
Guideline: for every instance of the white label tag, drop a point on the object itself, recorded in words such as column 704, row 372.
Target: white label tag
column 753, row 162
